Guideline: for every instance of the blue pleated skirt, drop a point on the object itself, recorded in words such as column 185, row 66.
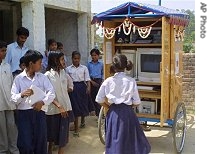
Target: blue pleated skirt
column 79, row 99
column 58, row 128
column 123, row 132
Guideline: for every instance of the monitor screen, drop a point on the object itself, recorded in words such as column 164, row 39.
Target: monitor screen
column 150, row 63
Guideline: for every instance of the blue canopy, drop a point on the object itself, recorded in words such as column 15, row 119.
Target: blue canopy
column 132, row 10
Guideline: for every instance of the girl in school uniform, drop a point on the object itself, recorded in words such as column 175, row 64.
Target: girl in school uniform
column 123, row 132
column 60, row 112
column 95, row 68
column 79, row 97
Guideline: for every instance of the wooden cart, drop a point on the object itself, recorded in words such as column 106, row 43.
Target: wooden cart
column 132, row 28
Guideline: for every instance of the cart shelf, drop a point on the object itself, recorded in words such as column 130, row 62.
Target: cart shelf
column 156, row 116
column 137, row 45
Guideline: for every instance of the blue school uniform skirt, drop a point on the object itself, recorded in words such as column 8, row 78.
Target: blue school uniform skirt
column 79, row 99
column 123, row 132
column 58, row 128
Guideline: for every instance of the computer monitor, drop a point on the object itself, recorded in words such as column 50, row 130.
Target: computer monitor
column 148, row 63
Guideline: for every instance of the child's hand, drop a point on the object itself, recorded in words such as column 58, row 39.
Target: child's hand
column 88, row 90
column 63, row 112
column 70, row 90
column 38, row 105
column 94, row 83
column 26, row 93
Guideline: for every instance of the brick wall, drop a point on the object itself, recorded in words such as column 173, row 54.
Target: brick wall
column 188, row 94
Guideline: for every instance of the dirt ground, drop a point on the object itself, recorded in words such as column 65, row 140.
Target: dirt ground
column 159, row 138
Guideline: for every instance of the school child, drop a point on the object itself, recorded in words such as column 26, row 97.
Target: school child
column 22, row 64
column 123, row 132
column 8, row 130
column 17, row 49
column 31, row 121
column 22, row 67
column 60, row 111
column 95, row 68
column 52, row 46
column 61, row 49
column 79, row 97
column 111, row 70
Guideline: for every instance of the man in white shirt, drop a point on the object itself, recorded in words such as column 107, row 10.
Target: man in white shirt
column 8, row 130
column 16, row 50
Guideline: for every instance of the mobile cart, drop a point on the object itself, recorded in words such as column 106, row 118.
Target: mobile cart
column 152, row 38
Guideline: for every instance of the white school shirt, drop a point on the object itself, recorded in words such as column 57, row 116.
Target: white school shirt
column 119, row 89
column 6, row 79
column 79, row 73
column 60, row 84
column 14, row 53
column 23, row 82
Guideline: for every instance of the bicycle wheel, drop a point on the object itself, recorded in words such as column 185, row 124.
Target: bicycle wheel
column 101, row 125
column 179, row 127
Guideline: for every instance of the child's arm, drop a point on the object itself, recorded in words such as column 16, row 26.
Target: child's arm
column 136, row 99
column 87, row 79
column 16, row 95
column 88, row 87
column 8, row 57
column 63, row 112
column 102, row 71
column 50, row 94
column 106, row 105
column 101, row 95
column 95, row 84
column 70, row 84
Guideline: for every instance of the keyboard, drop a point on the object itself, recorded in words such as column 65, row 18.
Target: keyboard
column 145, row 87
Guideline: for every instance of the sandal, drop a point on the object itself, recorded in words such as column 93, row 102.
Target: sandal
column 146, row 127
column 92, row 113
column 71, row 129
column 82, row 125
column 76, row 134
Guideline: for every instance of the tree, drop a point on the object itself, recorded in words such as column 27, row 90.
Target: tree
column 189, row 38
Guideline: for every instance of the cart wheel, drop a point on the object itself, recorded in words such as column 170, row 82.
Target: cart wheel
column 179, row 127
column 101, row 125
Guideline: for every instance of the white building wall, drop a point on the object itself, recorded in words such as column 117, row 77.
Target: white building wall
column 33, row 17
column 82, row 36
column 70, row 5
column 62, row 26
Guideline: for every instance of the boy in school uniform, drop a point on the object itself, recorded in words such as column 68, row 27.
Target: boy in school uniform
column 31, row 121
column 22, row 64
column 52, row 46
column 16, row 50
column 8, row 130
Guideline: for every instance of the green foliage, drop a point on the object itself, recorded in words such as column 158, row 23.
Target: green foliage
column 98, row 39
column 189, row 38
column 188, row 47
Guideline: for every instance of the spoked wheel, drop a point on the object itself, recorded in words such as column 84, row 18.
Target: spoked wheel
column 101, row 125
column 179, row 128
